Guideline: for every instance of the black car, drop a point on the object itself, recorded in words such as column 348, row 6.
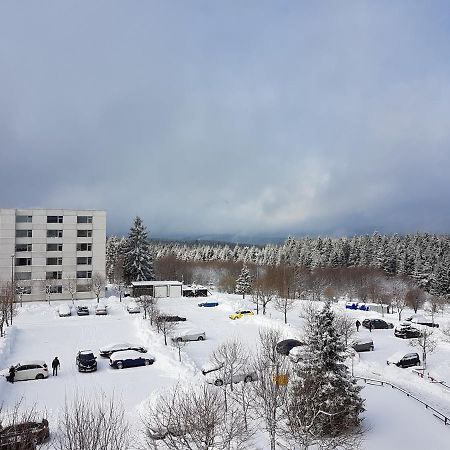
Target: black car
column 284, row 347
column 166, row 318
column 377, row 324
column 406, row 331
column 408, row 360
column 82, row 310
column 86, row 361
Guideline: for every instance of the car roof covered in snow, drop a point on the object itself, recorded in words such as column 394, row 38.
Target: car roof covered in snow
column 363, row 341
column 129, row 354
column 120, row 345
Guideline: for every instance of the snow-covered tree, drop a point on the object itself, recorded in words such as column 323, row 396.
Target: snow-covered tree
column 138, row 260
column 324, row 402
column 244, row 282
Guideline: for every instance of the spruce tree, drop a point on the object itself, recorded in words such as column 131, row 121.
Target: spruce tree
column 138, row 261
column 324, row 399
column 244, row 282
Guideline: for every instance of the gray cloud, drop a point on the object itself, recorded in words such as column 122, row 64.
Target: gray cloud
column 203, row 118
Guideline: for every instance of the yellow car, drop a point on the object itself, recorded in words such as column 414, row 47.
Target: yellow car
column 241, row 313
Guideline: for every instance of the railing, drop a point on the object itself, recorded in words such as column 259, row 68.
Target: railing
column 436, row 413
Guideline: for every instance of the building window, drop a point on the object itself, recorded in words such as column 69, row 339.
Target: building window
column 24, row 233
column 54, row 233
column 24, row 290
column 83, row 288
column 23, row 247
column 54, row 219
column 84, row 233
column 84, row 219
column 83, row 260
column 24, row 219
column 56, row 289
column 54, row 247
column 84, row 274
column 23, row 261
column 54, row 261
column 84, row 247
column 20, row 276
column 53, row 275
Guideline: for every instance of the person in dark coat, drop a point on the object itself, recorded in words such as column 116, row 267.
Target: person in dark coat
column 370, row 326
column 358, row 324
column 12, row 374
column 55, row 366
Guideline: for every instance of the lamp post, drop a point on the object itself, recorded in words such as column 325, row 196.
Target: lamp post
column 12, row 287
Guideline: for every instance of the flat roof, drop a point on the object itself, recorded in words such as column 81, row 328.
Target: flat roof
column 155, row 283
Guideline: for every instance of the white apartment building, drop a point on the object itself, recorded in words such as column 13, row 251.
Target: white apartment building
column 44, row 248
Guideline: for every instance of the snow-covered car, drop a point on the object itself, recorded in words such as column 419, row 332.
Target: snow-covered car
column 421, row 320
column 130, row 358
column 168, row 318
column 133, row 308
column 400, row 359
column 108, row 350
column 24, row 435
column 64, row 310
column 241, row 313
column 188, row 334
column 28, row 370
column 215, row 374
column 363, row 345
column 86, row 361
column 296, row 354
column 284, row 347
column 100, row 310
column 406, row 331
column 82, row 310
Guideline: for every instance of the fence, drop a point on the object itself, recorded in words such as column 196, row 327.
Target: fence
column 441, row 416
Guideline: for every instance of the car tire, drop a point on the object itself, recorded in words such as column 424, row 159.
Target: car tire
column 248, row 378
column 179, row 339
column 218, row 383
column 372, row 348
column 200, row 338
column 147, row 362
column 119, row 365
column 39, row 376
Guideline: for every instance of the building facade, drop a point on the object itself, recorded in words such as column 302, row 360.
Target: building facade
column 52, row 251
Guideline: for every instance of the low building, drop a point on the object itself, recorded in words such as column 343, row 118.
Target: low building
column 158, row 289
column 195, row 291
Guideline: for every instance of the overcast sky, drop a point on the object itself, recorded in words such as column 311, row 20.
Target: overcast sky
column 244, row 118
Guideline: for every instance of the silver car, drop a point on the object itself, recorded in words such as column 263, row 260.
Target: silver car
column 188, row 335
column 217, row 376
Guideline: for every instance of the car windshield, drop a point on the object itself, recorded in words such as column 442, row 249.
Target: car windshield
column 86, row 356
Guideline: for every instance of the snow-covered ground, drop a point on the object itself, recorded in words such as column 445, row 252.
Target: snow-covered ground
column 393, row 420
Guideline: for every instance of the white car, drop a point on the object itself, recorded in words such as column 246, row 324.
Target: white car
column 64, row 310
column 215, row 375
column 28, row 370
column 133, row 308
column 100, row 310
column 188, row 334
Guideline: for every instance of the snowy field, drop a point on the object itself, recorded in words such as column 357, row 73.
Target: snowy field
column 393, row 420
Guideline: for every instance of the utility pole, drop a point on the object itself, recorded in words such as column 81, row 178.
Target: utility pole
column 12, row 287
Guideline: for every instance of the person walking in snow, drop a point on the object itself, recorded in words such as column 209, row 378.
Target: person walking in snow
column 358, row 324
column 12, row 374
column 370, row 326
column 55, row 366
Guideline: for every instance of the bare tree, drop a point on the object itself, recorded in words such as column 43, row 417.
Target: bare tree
column 148, row 303
column 98, row 284
column 284, row 304
column 14, row 430
column 269, row 390
column 8, row 309
column 70, row 285
column 415, row 298
column 46, row 287
column 97, row 423
column 194, row 418
column 165, row 327
column 426, row 343
column 345, row 326
column 435, row 304
column 179, row 344
column 398, row 288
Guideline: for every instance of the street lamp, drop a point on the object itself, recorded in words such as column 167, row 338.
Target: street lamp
column 13, row 295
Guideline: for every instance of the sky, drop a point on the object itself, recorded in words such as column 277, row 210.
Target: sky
column 208, row 118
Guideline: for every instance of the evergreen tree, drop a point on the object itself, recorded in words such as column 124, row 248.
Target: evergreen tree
column 138, row 263
column 244, row 282
column 324, row 401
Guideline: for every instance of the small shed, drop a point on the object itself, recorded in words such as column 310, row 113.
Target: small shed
column 158, row 289
column 195, row 291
